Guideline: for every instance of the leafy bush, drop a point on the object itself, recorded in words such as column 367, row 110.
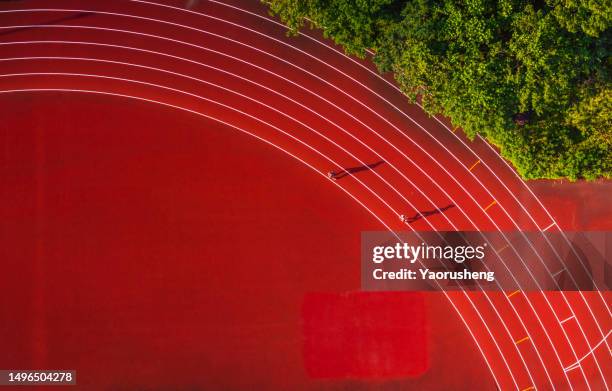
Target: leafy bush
column 531, row 77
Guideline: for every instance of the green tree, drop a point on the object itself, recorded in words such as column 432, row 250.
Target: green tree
column 531, row 77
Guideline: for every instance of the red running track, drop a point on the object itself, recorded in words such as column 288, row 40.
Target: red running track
column 328, row 112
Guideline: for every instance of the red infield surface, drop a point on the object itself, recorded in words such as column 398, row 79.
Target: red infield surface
column 168, row 222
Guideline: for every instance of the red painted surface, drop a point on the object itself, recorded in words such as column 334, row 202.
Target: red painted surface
column 145, row 247
column 580, row 206
column 365, row 335
column 150, row 247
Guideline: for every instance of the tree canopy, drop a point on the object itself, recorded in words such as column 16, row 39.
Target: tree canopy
column 531, row 77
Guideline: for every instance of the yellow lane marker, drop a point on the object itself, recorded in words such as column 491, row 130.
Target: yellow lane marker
column 502, row 249
column 490, row 205
column 528, row 388
column 522, row 340
column 513, row 293
column 474, row 165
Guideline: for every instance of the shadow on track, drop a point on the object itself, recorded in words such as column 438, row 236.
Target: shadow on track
column 353, row 170
column 426, row 213
column 53, row 21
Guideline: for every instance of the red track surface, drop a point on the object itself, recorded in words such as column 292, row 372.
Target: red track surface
column 113, row 201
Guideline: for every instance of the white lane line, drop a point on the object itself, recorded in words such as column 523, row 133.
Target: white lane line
column 589, row 353
column 566, row 319
column 204, row 115
column 571, row 368
column 395, row 87
column 330, row 48
column 557, row 273
column 157, row 69
column 341, row 91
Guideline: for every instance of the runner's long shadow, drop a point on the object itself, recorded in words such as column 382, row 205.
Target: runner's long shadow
column 427, row 213
column 354, row 170
column 53, row 21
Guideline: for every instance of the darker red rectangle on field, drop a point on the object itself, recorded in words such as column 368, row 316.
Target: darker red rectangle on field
column 365, row 335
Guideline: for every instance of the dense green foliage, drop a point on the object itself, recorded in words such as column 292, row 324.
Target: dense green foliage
column 531, row 77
